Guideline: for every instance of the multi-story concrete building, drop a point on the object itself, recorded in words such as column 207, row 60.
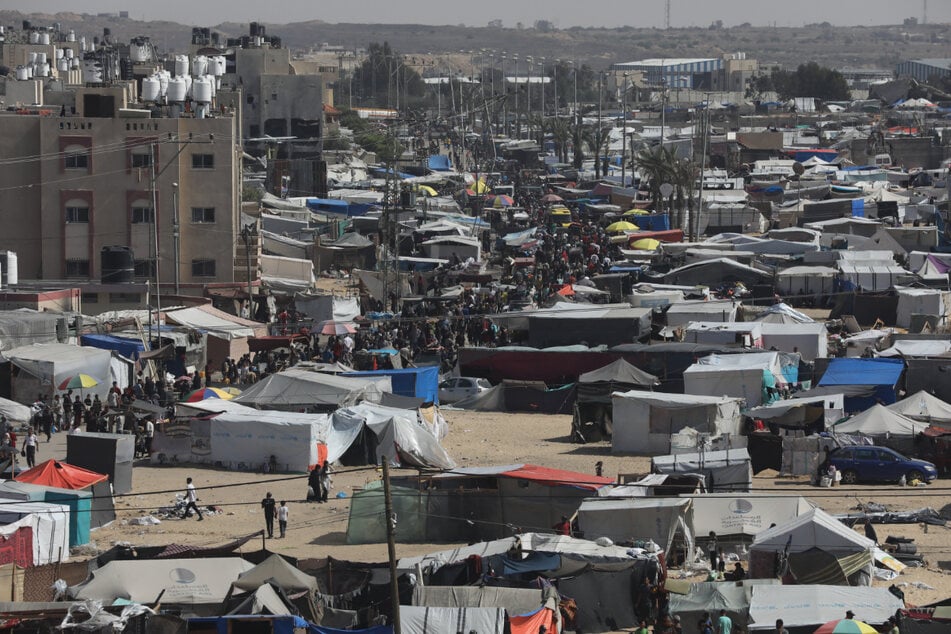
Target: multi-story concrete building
column 116, row 173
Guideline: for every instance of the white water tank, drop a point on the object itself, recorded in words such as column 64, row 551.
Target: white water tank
column 217, row 65
column 34, row 37
column 200, row 66
column 60, row 53
column 139, row 52
column 9, row 275
column 43, row 70
column 92, row 72
column 31, row 57
column 22, row 73
column 41, row 58
column 29, row 71
column 82, row 43
column 202, row 90
column 181, row 65
column 177, row 89
column 68, row 52
column 62, row 65
column 151, row 88
column 71, row 36
column 44, row 38
column 164, row 78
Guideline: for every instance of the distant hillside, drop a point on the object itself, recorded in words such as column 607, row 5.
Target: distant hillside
column 881, row 47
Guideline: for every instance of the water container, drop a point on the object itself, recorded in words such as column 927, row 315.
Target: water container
column 41, row 58
column 69, row 53
column 92, row 72
column 201, row 90
column 44, row 38
column 181, row 65
column 60, row 54
column 177, row 88
column 151, row 88
column 23, row 73
column 71, row 36
column 164, row 78
column 34, row 37
column 29, row 71
column 31, row 58
column 8, row 269
column 117, row 265
column 82, row 43
column 62, row 65
column 200, row 66
column 188, row 85
column 218, row 65
column 139, row 52
column 43, row 70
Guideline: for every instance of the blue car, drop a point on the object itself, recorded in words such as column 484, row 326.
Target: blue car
column 879, row 464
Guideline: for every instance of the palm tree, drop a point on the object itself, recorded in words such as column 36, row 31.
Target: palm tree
column 561, row 133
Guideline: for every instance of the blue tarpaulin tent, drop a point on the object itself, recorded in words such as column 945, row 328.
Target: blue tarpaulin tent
column 335, row 206
column 128, row 348
column 881, row 374
column 651, row 222
column 439, row 163
column 413, row 382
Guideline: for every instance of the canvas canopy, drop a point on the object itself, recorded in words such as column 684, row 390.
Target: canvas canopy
column 621, row 520
column 49, row 524
column 645, row 421
column 711, row 597
column 217, row 322
column 752, row 376
column 328, row 307
column 297, row 388
column 619, row 376
column 802, row 410
column 278, row 570
column 727, row 470
column 729, row 514
column 43, row 368
column 14, row 411
column 426, row 620
column 923, row 406
column 880, row 421
column 810, row 340
column 183, row 581
column 803, row 606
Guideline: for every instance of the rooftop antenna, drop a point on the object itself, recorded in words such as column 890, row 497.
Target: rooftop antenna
column 667, row 14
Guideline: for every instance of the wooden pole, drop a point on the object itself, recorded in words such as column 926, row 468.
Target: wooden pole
column 391, row 546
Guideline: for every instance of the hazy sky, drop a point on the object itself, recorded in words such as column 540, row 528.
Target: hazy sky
column 563, row 13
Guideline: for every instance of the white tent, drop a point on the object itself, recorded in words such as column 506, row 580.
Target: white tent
column 620, row 519
column 921, row 301
column 802, row 606
column 743, row 376
column 806, row 280
column 425, row 620
column 727, row 470
column 793, row 412
column 743, row 333
column 287, row 274
column 811, row 341
column 820, row 549
column 44, row 366
column 297, row 388
column 879, row 420
column 49, row 523
column 644, row 421
column 924, row 407
column 683, row 313
column 730, row 514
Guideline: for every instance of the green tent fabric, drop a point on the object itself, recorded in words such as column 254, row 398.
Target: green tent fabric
column 818, row 567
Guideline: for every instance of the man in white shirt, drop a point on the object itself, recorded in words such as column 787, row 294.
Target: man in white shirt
column 149, row 435
column 191, row 497
column 282, row 517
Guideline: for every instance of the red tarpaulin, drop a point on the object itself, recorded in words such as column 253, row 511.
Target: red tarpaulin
column 17, row 547
column 533, row 623
column 54, row 473
column 546, row 475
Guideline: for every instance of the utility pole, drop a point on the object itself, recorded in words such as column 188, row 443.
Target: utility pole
column 153, row 154
column 624, row 132
column 704, row 129
column 176, row 235
column 391, row 545
column 246, row 233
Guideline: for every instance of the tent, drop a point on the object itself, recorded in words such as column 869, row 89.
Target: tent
column 879, row 420
column 924, row 407
column 43, row 367
column 882, row 375
column 426, row 620
column 49, row 524
column 818, row 549
column 278, row 570
column 802, row 606
column 15, row 412
column 921, row 301
column 619, row 376
column 754, row 377
column 744, row 333
column 730, row 514
column 802, row 411
column 682, row 313
column 727, row 470
column 644, row 422
column 177, row 581
column 78, row 502
column 296, row 388
column 621, row 520
column 54, row 473
column 710, row 597
column 422, row 382
column 515, row 601
column 810, row 340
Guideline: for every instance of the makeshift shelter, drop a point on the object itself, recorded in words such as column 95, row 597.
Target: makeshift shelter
column 78, row 502
column 655, row 423
column 41, row 368
column 921, row 301
column 192, row 582
column 521, row 396
column 15, row 412
column 747, row 334
column 515, row 602
column 817, row 548
column 422, row 382
column 709, row 597
column 54, row 473
column 298, row 388
column 49, row 524
column 472, row 504
column 621, row 520
column 322, row 308
column 426, row 620
column 227, row 335
column 802, row 412
column 111, row 454
column 809, row 606
column 885, row 427
column 594, row 404
column 810, row 340
column 727, row 470
column 882, row 375
column 755, row 377
column 682, row 313
column 727, row 514
column 275, row 569
column 596, row 326
column 924, row 407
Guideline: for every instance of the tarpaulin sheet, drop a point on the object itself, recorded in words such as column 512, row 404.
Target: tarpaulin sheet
column 379, row 629
column 546, row 475
column 419, row 382
column 423, row 620
column 535, row 562
column 128, row 348
column 541, row 620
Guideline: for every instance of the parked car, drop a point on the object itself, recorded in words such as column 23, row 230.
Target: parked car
column 460, row 387
column 879, row 464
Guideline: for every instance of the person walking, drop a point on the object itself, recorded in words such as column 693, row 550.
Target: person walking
column 724, row 623
column 191, row 497
column 282, row 518
column 30, row 447
column 149, row 435
column 268, row 504
column 326, row 482
column 313, row 485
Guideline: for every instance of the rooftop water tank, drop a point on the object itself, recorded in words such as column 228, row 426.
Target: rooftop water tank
column 139, row 51
column 34, row 37
column 43, row 70
column 62, row 65
column 44, row 38
column 117, row 265
column 41, row 58
column 60, row 54
column 71, row 36
column 69, row 53
column 177, row 89
column 92, row 72
column 151, row 88
column 217, row 65
column 181, row 65
column 202, row 90
column 200, row 66
column 31, row 57
column 8, row 269
column 22, row 73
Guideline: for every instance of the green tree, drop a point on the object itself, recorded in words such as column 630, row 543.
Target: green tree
column 811, row 80
column 383, row 75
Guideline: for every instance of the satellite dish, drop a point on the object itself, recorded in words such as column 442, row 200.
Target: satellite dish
column 798, row 168
column 666, row 189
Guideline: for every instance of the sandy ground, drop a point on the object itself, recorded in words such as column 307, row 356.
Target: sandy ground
column 318, row 530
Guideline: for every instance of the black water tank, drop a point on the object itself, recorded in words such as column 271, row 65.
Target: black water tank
column 117, row 265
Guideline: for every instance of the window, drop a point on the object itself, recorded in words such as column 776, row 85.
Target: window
column 142, row 214
column 145, row 268
column 77, row 268
column 203, row 161
column 203, row 215
column 141, row 160
column 125, row 298
column 90, row 298
column 203, row 268
column 79, row 213
column 76, row 160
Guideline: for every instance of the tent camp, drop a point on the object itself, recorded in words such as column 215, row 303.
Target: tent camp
column 278, row 570
column 754, row 377
column 886, row 427
column 593, row 403
column 54, row 473
column 41, row 368
column 818, row 549
column 192, row 582
column 621, row 520
column 295, row 389
column 802, row 606
column 728, row 514
column 709, row 597
column 802, row 412
column 923, row 406
column 882, row 375
column 727, row 470
column 49, row 524
column 78, row 502
column 654, row 423
column 810, row 340
column 422, row 382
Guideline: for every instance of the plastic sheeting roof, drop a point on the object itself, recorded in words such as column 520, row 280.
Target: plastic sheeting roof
column 300, row 388
column 879, row 420
column 58, row 474
column 844, row 371
column 813, row 605
column 923, row 406
column 814, row 528
column 214, row 320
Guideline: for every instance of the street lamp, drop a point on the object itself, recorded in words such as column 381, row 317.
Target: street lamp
column 624, row 131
